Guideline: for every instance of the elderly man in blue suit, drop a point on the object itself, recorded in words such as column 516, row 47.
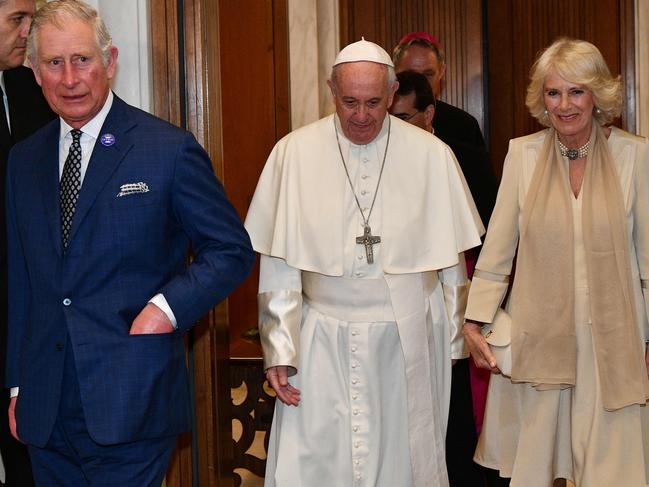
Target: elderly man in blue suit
column 102, row 205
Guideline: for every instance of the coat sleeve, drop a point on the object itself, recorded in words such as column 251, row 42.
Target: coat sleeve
column 491, row 277
column 18, row 287
column 641, row 225
column 222, row 254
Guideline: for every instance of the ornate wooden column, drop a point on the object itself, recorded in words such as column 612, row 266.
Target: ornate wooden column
column 220, row 69
column 184, row 74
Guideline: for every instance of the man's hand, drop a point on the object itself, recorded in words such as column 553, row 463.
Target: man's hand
column 151, row 320
column 479, row 348
column 278, row 379
column 12, row 417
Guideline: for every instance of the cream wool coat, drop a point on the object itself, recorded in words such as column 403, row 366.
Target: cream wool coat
column 535, row 436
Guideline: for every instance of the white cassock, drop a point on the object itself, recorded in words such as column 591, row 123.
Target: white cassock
column 370, row 345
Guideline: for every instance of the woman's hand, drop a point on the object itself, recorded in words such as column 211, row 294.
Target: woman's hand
column 479, row 348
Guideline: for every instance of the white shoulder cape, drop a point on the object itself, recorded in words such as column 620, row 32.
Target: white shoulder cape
column 428, row 215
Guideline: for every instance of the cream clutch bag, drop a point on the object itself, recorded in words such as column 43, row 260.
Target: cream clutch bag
column 499, row 335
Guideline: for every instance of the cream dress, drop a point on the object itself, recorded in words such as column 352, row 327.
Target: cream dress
column 534, row 437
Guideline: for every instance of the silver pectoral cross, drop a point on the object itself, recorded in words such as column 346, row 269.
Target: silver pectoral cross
column 369, row 241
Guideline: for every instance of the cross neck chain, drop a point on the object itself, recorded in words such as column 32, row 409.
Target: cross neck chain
column 367, row 239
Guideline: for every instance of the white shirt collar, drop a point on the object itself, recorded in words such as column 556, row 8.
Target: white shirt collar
column 93, row 127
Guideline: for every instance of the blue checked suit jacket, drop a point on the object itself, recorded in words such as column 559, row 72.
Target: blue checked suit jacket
column 122, row 251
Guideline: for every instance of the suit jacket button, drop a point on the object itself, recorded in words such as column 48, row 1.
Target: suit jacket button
column 59, row 347
column 67, row 302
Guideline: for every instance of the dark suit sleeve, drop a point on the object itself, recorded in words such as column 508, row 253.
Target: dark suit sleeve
column 222, row 253
column 18, row 284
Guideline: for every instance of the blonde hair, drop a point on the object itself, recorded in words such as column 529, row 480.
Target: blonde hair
column 578, row 62
column 57, row 13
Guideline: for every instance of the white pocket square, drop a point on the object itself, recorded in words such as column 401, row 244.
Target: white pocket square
column 132, row 188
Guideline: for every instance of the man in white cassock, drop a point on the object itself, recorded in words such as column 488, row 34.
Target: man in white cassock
column 361, row 220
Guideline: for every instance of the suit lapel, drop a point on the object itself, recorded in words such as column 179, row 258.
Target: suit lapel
column 48, row 181
column 104, row 160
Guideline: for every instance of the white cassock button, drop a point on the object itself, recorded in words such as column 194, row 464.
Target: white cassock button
column 355, row 412
column 358, row 274
column 358, row 476
column 364, row 176
column 357, row 444
column 354, row 332
column 355, row 429
column 357, row 462
column 354, row 348
column 364, row 192
column 354, row 381
column 360, row 257
column 365, row 159
column 354, row 365
column 354, row 397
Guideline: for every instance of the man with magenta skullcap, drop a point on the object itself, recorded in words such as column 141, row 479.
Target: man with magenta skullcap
column 361, row 221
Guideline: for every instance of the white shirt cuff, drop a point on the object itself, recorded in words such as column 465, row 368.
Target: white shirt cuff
column 13, row 392
column 161, row 302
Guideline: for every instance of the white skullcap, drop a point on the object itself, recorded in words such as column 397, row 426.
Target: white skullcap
column 363, row 51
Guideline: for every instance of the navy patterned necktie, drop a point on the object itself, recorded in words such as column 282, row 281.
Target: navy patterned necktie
column 70, row 185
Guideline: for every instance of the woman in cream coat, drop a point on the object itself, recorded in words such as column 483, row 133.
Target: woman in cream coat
column 573, row 213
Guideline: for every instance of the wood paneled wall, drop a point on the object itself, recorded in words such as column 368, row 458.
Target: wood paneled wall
column 518, row 30
column 255, row 114
column 456, row 23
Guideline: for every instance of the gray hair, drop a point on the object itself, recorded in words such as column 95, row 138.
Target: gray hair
column 392, row 77
column 57, row 13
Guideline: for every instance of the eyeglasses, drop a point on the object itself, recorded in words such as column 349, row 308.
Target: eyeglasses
column 404, row 116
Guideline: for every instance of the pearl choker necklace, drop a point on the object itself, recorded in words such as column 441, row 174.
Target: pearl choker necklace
column 573, row 154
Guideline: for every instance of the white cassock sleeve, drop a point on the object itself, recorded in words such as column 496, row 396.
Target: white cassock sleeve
column 280, row 312
column 455, row 286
